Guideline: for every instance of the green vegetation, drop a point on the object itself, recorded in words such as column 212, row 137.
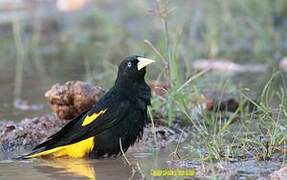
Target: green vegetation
column 259, row 133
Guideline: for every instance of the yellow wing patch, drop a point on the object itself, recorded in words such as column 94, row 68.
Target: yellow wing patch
column 90, row 118
column 76, row 150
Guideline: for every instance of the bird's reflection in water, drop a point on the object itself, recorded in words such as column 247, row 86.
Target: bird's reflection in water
column 64, row 168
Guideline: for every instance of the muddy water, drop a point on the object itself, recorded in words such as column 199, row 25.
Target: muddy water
column 148, row 160
column 65, row 169
column 112, row 168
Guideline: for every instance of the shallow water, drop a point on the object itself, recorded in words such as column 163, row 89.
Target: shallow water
column 65, row 169
column 106, row 168
column 148, row 160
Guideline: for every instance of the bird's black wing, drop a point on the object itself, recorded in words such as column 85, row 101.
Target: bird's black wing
column 112, row 110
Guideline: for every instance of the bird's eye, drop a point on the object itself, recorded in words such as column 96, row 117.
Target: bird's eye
column 129, row 64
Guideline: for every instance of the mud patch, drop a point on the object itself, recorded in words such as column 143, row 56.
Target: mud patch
column 243, row 169
column 22, row 136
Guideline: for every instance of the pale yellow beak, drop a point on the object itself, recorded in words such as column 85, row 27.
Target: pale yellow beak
column 143, row 62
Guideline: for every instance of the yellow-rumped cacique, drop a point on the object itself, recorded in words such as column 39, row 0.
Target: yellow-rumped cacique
column 119, row 116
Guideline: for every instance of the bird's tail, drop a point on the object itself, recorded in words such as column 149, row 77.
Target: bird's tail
column 76, row 150
column 36, row 153
column 25, row 156
column 59, row 145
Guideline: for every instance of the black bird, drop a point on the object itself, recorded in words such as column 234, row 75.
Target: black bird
column 120, row 115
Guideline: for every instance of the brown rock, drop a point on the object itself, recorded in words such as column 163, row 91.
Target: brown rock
column 72, row 98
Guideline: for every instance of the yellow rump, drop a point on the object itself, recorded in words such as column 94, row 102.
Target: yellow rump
column 76, row 150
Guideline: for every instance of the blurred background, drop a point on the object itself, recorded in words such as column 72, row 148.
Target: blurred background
column 44, row 42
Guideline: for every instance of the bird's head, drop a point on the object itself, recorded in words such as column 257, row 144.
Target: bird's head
column 133, row 68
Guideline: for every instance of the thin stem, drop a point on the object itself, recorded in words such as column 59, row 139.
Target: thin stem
column 20, row 58
column 123, row 153
column 191, row 79
column 35, row 42
column 153, row 127
column 149, row 44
